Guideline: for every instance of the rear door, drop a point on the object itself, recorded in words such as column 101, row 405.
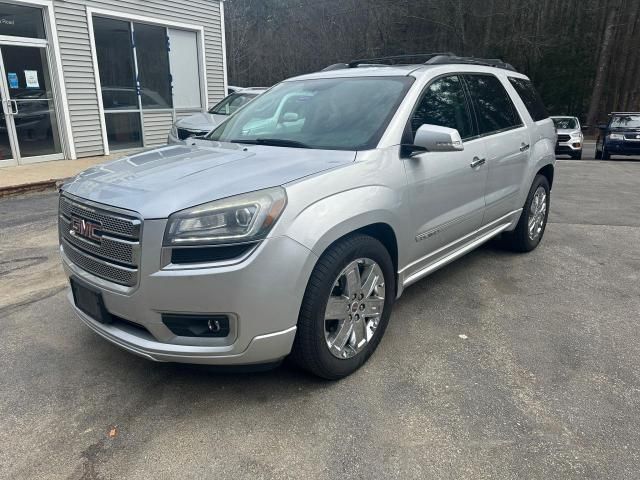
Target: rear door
column 506, row 140
column 446, row 191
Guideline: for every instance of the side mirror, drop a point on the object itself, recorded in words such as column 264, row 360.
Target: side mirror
column 584, row 128
column 290, row 117
column 433, row 138
column 602, row 126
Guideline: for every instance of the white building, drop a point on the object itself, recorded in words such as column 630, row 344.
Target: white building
column 88, row 77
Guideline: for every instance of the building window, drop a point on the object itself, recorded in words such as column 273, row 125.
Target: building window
column 153, row 66
column 19, row 21
column 143, row 67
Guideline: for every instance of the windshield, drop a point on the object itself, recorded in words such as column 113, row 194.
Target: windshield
column 565, row 123
column 625, row 121
column 232, row 103
column 330, row 114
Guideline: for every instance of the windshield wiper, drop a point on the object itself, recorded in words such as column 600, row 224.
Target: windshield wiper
column 273, row 142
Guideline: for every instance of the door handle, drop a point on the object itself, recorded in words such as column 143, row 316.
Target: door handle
column 524, row 147
column 10, row 109
column 476, row 162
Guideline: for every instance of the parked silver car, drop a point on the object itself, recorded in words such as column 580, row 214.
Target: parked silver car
column 202, row 123
column 570, row 137
column 294, row 226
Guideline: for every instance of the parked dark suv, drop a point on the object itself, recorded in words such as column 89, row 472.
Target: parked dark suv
column 621, row 136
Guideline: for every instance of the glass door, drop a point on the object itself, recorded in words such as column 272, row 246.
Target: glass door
column 6, row 151
column 28, row 105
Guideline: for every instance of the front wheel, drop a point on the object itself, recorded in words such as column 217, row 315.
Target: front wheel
column 533, row 220
column 346, row 307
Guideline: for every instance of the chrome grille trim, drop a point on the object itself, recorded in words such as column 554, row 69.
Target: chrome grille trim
column 112, row 222
column 108, row 271
column 116, row 257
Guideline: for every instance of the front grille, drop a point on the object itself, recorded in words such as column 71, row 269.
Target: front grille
column 183, row 133
column 563, row 137
column 114, row 255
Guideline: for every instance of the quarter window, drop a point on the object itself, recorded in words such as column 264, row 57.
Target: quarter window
column 530, row 97
column 494, row 109
column 444, row 104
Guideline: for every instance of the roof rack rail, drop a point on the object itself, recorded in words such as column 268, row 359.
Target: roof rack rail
column 442, row 58
column 487, row 62
column 396, row 59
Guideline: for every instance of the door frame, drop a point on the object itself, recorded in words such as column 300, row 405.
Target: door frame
column 60, row 102
column 167, row 24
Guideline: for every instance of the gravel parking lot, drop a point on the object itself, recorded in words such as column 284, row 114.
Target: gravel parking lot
column 498, row 366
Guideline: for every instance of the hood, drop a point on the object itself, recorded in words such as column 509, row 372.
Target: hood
column 159, row 182
column 567, row 131
column 202, row 122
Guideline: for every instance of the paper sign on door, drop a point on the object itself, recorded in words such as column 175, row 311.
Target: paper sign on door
column 13, row 79
column 32, row 78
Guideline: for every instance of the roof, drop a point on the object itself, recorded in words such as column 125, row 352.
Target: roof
column 416, row 70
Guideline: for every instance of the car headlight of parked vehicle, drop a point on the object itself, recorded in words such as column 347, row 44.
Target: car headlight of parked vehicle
column 243, row 218
column 616, row 136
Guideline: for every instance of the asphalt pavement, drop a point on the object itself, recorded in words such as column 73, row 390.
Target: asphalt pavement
column 498, row 366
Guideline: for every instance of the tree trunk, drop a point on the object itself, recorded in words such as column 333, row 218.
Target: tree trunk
column 604, row 59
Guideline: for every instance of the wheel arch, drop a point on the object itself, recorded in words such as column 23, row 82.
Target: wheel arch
column 547, row 171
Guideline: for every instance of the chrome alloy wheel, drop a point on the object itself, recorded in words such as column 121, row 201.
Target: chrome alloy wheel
column 354, row 308
column 537, row 213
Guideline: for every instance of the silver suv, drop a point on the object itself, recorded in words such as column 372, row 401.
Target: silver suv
column 294, row 226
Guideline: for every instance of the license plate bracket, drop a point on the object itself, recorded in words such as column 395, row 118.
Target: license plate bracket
column 89, row 301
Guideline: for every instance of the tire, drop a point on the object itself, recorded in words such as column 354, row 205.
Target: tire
column 520, row 239
column 605, row 154
column 577, row 155
column 311, row 348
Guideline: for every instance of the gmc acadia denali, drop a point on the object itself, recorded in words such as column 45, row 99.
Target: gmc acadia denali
column 293, row 226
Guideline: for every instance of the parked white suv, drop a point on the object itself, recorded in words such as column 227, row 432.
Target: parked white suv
column 294, row 226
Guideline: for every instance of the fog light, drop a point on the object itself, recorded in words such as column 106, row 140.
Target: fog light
column 216, row 326
column 577, row 145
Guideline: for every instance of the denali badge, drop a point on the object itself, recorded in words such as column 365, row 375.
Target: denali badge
column 85, row 228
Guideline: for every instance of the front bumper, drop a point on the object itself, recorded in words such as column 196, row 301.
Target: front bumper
column 570, row 147
column 623, row 147
column 261, row 295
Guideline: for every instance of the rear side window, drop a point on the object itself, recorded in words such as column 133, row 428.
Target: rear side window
column 444, row 104
column 494, row 109
column 530, row 97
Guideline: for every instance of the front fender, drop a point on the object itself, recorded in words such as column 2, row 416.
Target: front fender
column 330, row 218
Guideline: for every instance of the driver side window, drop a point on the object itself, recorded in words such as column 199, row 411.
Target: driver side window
column 444, row 103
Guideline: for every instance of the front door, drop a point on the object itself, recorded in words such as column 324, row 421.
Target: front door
column 446, row 188
column 28, row 128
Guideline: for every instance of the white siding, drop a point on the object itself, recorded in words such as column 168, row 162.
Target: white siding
column 77, row 63
column 156, row 127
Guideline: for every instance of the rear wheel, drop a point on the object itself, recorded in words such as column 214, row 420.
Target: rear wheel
column 346, row 307
column 598, row 150
column 533, row 220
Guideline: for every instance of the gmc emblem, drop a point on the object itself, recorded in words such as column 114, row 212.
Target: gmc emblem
column 85, row 228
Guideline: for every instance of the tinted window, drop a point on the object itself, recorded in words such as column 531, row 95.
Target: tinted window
column 565, row 123
column 331, row 114
column 493, row 106
column 19, row 21
column 531, row 98
column 115, row 62
column 625, row 121
column 153, row 65
column 232, row 103
column 444, row 104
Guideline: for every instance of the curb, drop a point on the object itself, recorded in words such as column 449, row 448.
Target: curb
column 41, row 186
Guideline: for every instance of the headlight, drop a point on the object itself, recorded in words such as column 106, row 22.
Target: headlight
column 174, row 131
column 242, row 218
column 576, row 134
column 616, row 136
